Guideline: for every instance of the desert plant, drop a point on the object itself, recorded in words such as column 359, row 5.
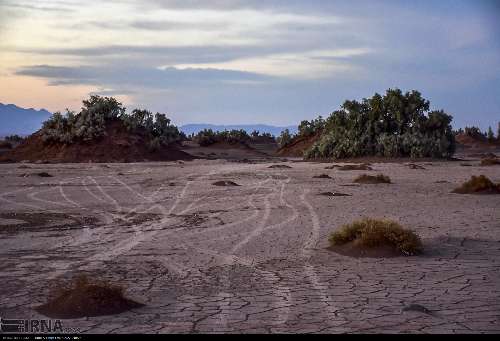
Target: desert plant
column 372, row 179
column 489, row 135
column 374, row 232
column 478, row 185
column 285, row 138
column 207, row 137
column 392, row 125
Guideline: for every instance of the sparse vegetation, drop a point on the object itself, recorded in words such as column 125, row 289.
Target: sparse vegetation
column 394, row 125
column 372, row 233
column 478, row 185
column 372, row 179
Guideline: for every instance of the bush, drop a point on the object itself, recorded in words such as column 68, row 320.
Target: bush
column 394, row 125
column 14, row 139
column 373, row 233
column 208, row 137
column 478, row 185
column 90, row 124
column 285, row 138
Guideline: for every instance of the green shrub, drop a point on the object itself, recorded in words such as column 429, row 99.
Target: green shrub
column 91, row 122
column 285, row 138
column 208, row 137
column 373, row 233
column 394, row 125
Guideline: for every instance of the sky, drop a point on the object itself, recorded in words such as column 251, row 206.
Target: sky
column 232, row 62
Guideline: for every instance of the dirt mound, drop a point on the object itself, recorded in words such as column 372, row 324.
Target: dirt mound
column 478, row 185
column 298, row 146
column 84, row 298
column 279, row 166
column 491, row 161
column 370, row 179
column 118, row 145
column 225, row 183
column 415, row 166
column 353, row 249
column 322, row 176
column 474, row 142
column 335, row 194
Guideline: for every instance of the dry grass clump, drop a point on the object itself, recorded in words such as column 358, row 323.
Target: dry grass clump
column 478, row 185
column 82, row 297
column 372, row 233
column 372, row 179
column 491, row 161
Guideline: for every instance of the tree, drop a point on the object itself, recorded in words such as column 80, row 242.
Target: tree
column 392, row 125
column 498, row 132
column 285, row 138
column 490, row 135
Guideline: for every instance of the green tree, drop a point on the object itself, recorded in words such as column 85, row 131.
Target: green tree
column 490, row 135
column 396, row 124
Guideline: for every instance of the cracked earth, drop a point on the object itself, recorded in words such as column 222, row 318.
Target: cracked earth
column 251, row 258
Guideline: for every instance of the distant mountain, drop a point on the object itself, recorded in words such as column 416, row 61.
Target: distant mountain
column 262, row 128
column 20, row 121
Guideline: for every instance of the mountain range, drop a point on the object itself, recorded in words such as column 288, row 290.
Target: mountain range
column 21, row 121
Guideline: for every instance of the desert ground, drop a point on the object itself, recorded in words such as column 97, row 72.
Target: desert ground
column 251, row 258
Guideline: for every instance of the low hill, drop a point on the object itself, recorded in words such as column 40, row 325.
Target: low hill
column 117, row 145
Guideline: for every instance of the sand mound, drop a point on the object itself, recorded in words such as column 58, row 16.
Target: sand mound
column 490, row 161
column 372, row 179
column 118, row 145
column 322, row 176
column 279, row 166
column 83, row 298
column 225, row 183
column 415, row 166
column 298, row 146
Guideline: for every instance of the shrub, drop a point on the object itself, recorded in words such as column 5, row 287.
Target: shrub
column 208, row 137
column 372, row 179
column 362, row 166
column 373, row 233
column 90, row 124
column 478, row 185
column 14, row 138
column 394, row 125
column 285, row 138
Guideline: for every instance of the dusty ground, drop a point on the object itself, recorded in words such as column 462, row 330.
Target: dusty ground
column 250, row 258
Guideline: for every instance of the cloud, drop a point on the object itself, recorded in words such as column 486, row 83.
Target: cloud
column 126, row 77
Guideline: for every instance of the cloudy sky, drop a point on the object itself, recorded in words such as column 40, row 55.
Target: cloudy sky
column 274, row 61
